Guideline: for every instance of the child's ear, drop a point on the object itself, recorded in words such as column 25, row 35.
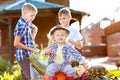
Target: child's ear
column 70, row 17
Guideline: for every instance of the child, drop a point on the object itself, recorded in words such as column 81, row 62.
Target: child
column 60, row 52
column 25, row 33
column 64, row 16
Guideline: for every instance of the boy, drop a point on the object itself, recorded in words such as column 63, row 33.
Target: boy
column 60, row 52
column 25, row 33
column 64, row 16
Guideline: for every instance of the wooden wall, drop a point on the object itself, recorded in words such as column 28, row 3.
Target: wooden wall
column 113, row 39
column 62, row 2
column 43, row 22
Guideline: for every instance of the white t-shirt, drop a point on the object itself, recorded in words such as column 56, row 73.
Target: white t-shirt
column 59, row 56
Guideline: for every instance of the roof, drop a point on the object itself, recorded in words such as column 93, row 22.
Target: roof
column 113, row 28
column 16, row 6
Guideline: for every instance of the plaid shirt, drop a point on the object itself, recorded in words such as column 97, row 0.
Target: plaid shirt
column 24, row 30
column 67, row 51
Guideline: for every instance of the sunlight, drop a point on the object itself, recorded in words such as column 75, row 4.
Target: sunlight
column 104, row 23
column 104, row 61
column 97, row 9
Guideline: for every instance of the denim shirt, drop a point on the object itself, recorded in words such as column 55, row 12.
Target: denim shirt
column 68, row 51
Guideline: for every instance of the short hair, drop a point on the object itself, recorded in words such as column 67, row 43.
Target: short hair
column 29, row 6
column 64, row 10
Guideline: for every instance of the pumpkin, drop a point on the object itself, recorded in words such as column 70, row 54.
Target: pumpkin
column 59, row 76
column 45, row 77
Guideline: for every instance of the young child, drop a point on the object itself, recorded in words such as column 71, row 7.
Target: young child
column 60, row 52
column 25, row 33
column 64, row 17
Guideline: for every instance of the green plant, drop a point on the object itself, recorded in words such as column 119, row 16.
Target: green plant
column 5, row 66
column 113, row 74
column 41, row 51
column 16, row 72
column 6, row 76
column 9, row 71
column 99, row 72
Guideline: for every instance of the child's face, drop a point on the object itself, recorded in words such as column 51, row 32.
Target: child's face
column 60, row 36
column 64, row 19
column 29, row 16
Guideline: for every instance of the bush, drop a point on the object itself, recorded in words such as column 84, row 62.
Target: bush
column 5, row 66
column 99, row 72
column 9, row 71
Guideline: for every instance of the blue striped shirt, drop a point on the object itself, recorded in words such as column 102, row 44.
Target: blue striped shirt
column 24, row 30
column 67, row 52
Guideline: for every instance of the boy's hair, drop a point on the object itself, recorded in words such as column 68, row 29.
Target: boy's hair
column 30, row 7
column 64, row 10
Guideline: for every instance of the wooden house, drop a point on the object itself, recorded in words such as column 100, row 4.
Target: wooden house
column 95, row 40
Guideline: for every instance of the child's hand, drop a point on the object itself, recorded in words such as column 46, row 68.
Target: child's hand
column 48, row 51
column 85, row 66
column 35, row 50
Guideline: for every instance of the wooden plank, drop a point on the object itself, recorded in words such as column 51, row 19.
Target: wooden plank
column 113, row 28
column 6, row 1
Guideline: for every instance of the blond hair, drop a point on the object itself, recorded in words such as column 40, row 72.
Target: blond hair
column 29, row 7
column 64, row 10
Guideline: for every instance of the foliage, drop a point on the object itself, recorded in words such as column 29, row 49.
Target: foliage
column 113, row 73
column 40, row 55
column 99, row 72
column 6, row 76
column 9, row 71
column 16, row 72
column 5, row 66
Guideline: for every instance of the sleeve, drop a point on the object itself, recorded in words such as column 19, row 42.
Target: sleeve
column 77, row 55
column 50, row 46
column 19, row 30
column 78, row 36
column 32, row 26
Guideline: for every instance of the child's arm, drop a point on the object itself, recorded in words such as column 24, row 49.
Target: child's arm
column 17, row 43
column 48, row 51
column 85, row 66
column 79, row 57
column 77, row 44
